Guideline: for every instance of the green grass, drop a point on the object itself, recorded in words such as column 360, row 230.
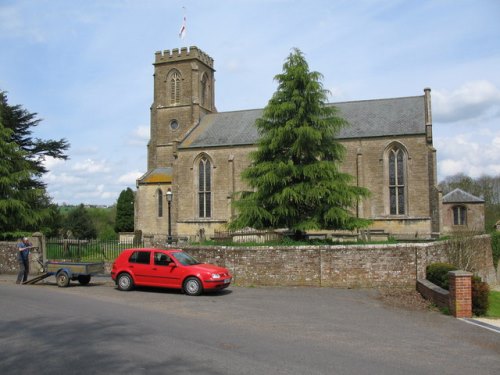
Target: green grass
column 494, row 308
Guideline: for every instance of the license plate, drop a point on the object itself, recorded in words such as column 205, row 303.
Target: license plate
column 227, row 281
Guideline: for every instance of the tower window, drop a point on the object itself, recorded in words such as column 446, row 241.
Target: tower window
column 397, row 184
column 203, row 88
column 175, row 88
column 204, row 188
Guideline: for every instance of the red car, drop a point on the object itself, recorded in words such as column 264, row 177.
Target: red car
column 167, row 269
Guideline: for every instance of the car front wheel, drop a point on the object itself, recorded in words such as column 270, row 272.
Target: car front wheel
column 124, row 282
column 192, row 286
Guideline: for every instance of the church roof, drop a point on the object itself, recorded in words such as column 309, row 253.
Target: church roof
column 460, row 196
column 156, row 176
column 366, row 118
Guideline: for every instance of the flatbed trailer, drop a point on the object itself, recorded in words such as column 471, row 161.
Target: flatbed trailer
column 68, row 271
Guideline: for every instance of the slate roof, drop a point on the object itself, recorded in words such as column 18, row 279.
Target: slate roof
column 367, row 118
column 460, row 196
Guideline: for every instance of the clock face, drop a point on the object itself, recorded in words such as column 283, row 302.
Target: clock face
column 174, row 124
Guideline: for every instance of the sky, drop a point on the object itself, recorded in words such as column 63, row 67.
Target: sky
column 85, row 67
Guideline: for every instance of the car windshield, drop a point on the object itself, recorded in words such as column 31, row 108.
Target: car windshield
column 185, row 259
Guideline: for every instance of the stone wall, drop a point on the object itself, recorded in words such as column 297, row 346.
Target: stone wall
column 339, row 266
column 8, row 257
column 367, row 266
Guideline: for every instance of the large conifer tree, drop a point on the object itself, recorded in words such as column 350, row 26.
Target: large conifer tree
column 24, row 203
column 294, row 176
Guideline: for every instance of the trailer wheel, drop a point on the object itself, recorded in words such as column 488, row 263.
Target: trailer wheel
column 84, row 279
column 124, row 282
column 62, row 279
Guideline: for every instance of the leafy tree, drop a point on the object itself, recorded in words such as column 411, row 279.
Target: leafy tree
column 295, row 175
column 104, row 221
column 24, row 203
column 79, row 224
column 125, row 211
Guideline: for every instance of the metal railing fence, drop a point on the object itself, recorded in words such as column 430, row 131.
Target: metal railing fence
column 87, row 250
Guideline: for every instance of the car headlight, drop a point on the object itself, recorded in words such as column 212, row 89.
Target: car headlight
column 215, row 276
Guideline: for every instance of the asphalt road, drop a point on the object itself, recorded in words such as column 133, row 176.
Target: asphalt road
column 97, row 329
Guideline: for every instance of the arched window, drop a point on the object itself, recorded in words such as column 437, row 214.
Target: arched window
column 397, row 181
column 159, row 196
column 203, row 89
column 204, row 187
column 459, row 215
column 175, row 87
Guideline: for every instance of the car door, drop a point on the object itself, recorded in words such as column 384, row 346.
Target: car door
column 140, row 266
column 165, row 272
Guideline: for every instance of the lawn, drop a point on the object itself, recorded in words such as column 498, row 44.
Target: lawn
column 494, row 308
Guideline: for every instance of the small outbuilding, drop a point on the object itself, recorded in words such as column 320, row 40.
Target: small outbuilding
column 462, row 211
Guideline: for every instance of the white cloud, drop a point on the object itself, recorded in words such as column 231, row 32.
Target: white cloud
column 472, row 100
column 142, row 131
column 91, row 166
column 140, row 136
column 130, row 178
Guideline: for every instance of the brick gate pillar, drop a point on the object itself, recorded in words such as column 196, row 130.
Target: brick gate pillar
column 460, row 294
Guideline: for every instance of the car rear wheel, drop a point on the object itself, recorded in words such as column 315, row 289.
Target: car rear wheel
column 192, row 286
column 124, row 282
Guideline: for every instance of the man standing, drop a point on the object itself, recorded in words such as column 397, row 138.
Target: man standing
column 24, row 247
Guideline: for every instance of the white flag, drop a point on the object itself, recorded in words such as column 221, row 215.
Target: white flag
column 182, row 31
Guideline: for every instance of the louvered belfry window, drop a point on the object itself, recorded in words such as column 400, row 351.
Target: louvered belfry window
column 175, row 88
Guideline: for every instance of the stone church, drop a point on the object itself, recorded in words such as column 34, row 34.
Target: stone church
column 196, row 156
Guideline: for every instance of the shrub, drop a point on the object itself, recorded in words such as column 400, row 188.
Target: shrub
column 495, row 246
column 437, row 273
column 480, row 293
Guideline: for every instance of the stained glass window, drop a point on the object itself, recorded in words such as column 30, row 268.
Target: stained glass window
column 204, row 188
column 397, row 182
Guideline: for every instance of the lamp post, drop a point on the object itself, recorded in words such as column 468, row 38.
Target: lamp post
column 169, row 201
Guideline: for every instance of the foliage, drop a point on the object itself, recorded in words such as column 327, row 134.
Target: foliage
column 495, row 247
column 36, row 150
column 104, row 221
column 437, row 273
column 494, row 304
column 480, row 295
column 295, row 176
column 24, row 203
column 125, row 211
column 487, row 187
column 79, row 224
column 462, row 248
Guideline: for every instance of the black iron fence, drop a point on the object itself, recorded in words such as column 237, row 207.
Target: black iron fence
column 87, row 250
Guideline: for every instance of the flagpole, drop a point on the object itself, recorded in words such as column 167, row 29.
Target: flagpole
column 183, row 29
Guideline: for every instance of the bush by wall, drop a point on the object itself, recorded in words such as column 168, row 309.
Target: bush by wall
column 480, row 293
column 437, row 273
column 495, row 247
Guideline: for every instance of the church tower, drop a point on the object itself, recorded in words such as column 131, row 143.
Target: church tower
column 183, row 94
